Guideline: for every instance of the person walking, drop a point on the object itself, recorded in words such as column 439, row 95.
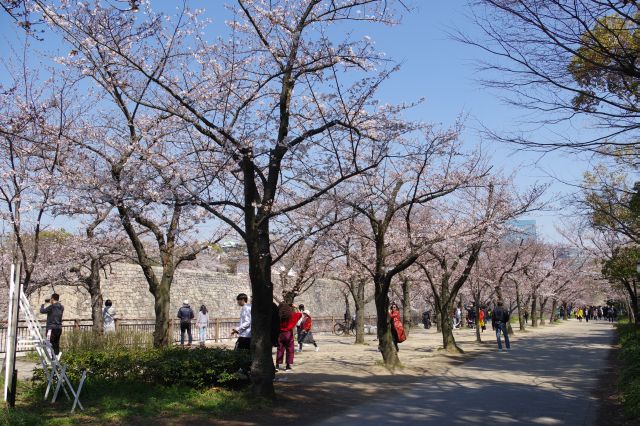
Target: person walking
column 243, row 331
column 499, row 322
column 579, row 314
column 108, row 317
column 288, row 320
column 397, row 329
column 526, row 317
column 202, row 323
column 53, row 329
column 306, row 336
column 481, row 320
column 185, row 313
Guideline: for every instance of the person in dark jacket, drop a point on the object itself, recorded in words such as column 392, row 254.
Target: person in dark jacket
column 499, row 321
column 54, row 321
column 185, row 313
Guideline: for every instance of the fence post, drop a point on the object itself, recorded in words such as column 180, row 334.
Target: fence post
column 171, row 333
column 217, row 330
column 116, row 323
column 76, row 324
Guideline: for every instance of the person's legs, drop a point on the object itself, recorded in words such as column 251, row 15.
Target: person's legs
column 280, row 353
column 290, row 345
column 203, row 334
column 55, row 340
column 189, row 333
column 182, row 330
column 498, row 337
column 506, row 336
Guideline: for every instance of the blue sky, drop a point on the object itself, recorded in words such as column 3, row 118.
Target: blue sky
column 443, row 71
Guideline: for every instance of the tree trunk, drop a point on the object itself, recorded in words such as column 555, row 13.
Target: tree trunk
column 543, row 302
column 534, row 320
column 476, row 299
column 554, row 306
column 93, row 286
column 564, row 311
column 360, row 309
column 446, row 327
column 406, row 306
column 385, row 339
column 436, row 318
column 262, row 368
column 161, row 305
column 521, row 321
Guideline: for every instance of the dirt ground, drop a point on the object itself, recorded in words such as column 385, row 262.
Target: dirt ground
column 341, row 375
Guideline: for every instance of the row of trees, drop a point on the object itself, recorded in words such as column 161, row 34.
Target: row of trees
column 157, row 142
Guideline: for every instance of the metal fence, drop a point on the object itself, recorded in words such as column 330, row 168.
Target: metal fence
column 218, row 330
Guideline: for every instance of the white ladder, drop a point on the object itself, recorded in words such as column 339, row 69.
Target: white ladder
column 53, row 368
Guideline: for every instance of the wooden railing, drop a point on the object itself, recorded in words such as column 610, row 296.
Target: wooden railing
column 218, row 330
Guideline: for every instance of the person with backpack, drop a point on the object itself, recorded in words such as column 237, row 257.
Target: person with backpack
column 185, row 313
column 108, row 317
column 499, row 321
column 306, row 336
column 286, row 343
column 397, row 329
column 202, row 323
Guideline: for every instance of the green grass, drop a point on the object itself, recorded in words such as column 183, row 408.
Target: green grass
column 629, row 384
column 107, row 403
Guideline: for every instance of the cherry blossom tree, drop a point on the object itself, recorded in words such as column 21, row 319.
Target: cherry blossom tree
column 449, row 264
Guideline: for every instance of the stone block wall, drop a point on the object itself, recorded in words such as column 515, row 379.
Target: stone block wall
column 126, row 286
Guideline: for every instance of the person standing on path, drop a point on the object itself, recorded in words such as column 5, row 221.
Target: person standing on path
column 54, row 312
column 202, row 323
column 108, row 317
column 397, row 329
column 306, row 336
column 244, row 326
column 288, row 320
column 481, row 321
column 185, row 313
column 499, row 322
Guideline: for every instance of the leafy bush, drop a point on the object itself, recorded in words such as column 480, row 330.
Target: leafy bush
column 630, row 374
column 196, row 368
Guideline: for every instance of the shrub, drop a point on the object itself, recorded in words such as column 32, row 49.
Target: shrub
column 196, row 368
column 630, row 373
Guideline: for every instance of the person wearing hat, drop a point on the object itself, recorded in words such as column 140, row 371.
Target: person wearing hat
column 306, row 336
column 185, row 313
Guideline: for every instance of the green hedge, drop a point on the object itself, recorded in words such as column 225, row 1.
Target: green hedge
column 630, row 373
column 196, row 368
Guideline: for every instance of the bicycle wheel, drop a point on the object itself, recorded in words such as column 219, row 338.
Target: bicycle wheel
column 338, row 330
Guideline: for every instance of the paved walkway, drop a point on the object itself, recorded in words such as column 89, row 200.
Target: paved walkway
column 547, row 378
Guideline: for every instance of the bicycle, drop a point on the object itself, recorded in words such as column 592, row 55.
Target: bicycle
column 342, row 329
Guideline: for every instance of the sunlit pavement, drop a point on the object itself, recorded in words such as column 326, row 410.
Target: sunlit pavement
column 546, row 379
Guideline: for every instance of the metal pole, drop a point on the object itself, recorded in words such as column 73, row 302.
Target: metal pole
column 15, row 288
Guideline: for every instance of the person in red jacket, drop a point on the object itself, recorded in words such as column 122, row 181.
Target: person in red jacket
column 397, row 329
column 289, row 317
column 306, row 336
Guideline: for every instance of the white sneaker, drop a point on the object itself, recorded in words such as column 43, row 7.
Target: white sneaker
column 317, row 348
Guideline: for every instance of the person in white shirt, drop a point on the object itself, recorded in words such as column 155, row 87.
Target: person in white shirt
column 244, row 326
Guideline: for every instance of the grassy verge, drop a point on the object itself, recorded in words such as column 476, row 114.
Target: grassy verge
column 128, row 403
column 630, row 373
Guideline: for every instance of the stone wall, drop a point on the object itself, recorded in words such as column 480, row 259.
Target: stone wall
column 127, row 288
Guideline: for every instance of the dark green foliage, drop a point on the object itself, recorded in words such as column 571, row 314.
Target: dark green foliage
column 630, row 374
column 196, row 368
